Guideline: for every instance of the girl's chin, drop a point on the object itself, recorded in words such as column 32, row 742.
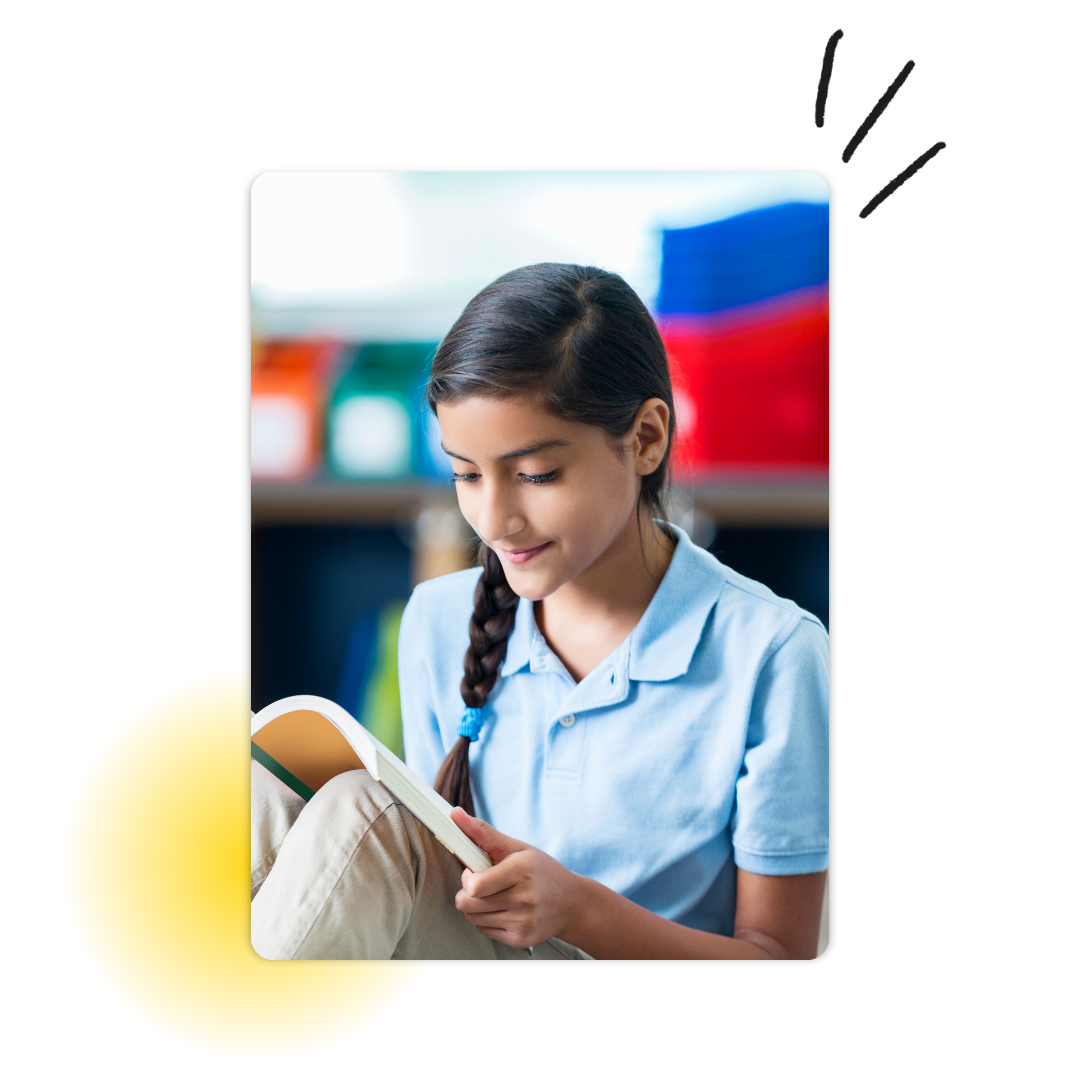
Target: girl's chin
column 530, row 586
column 529, row 591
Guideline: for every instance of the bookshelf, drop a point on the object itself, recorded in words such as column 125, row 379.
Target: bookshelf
column 744, row 499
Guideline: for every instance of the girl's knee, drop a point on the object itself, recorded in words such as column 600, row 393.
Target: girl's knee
column 354, row 791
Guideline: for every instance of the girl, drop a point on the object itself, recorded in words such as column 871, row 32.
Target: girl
column 645, row 729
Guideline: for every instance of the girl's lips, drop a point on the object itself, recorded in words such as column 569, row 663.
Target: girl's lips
column 525, row 554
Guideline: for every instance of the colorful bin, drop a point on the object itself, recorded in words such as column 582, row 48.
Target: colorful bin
column 288, row 381
column 374, row 422
column 743, row 311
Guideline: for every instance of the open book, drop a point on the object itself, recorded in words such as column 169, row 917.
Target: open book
column 305, row 741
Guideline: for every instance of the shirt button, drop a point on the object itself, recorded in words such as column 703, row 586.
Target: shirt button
column 568, row 721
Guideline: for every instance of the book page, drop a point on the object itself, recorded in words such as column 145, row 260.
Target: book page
column 309, row 746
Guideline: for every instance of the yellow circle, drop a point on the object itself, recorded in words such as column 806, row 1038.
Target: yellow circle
column 157, row 856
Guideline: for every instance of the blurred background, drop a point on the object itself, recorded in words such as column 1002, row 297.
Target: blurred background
column 355, row 277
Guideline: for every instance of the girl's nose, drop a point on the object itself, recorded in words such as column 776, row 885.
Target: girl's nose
column 499, row 514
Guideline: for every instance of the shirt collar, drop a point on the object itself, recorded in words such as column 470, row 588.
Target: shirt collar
column 663, row 642
column 522, row 642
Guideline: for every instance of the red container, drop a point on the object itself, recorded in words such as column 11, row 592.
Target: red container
column 288, row 388
column 752, row 386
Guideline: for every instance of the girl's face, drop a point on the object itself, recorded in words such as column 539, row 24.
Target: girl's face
column 548, row 495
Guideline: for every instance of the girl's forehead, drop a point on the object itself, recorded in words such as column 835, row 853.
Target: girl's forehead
column 482, row 414
column 518, row 405
column 497, row 427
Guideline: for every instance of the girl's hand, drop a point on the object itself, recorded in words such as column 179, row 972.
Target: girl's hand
column 525, row 898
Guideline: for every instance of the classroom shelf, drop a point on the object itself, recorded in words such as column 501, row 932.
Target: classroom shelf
column 759, row 498
column 746, row 498
column 329, row 501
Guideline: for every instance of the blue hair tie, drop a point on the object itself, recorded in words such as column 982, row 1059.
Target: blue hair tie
column 471, row 724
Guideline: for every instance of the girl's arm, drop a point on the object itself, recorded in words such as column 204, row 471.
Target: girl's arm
column 528, row 896
column 776, row 918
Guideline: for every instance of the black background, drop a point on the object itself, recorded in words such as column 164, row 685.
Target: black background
column 308, row 585
column 153, row 579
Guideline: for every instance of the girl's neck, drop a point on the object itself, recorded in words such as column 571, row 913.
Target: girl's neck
column 588, row 618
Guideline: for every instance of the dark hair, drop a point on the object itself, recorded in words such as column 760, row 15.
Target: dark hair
column 581, row 341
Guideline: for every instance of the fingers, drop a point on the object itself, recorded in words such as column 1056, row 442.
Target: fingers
column 490, row 920
column 473, row 904
column 473, row 827
column 496, row 926
column 507, row 937
column 495, row 933
column 498, row 879
column 499, row 917
column 495, row 843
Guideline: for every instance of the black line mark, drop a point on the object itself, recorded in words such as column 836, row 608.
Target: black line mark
column 826, row 75
column 906, row 175
column 877, row 110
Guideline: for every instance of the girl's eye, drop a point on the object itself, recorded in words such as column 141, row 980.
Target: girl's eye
column 527, row 478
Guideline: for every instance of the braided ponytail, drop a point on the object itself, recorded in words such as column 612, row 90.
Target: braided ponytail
column 494, row 610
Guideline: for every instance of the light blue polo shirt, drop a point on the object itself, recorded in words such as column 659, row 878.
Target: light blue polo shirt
column 700, row 744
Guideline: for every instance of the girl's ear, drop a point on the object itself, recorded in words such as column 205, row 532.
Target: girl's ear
column 650, row 435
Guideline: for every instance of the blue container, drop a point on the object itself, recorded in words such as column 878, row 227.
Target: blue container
column 744, row 258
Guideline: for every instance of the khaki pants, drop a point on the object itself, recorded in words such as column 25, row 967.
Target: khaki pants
column 352, row 875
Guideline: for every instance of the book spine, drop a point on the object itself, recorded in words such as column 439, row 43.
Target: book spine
column 283, row 774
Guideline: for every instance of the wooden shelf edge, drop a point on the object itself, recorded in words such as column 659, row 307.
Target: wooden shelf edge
column 735, row 499
column 340, row 501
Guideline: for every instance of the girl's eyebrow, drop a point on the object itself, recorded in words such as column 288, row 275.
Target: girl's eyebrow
column 525, row 451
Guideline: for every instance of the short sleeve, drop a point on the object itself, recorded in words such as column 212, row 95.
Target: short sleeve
column 423, row 743
column 780, row 824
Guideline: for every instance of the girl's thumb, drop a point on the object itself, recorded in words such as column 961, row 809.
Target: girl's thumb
column 495, row 843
